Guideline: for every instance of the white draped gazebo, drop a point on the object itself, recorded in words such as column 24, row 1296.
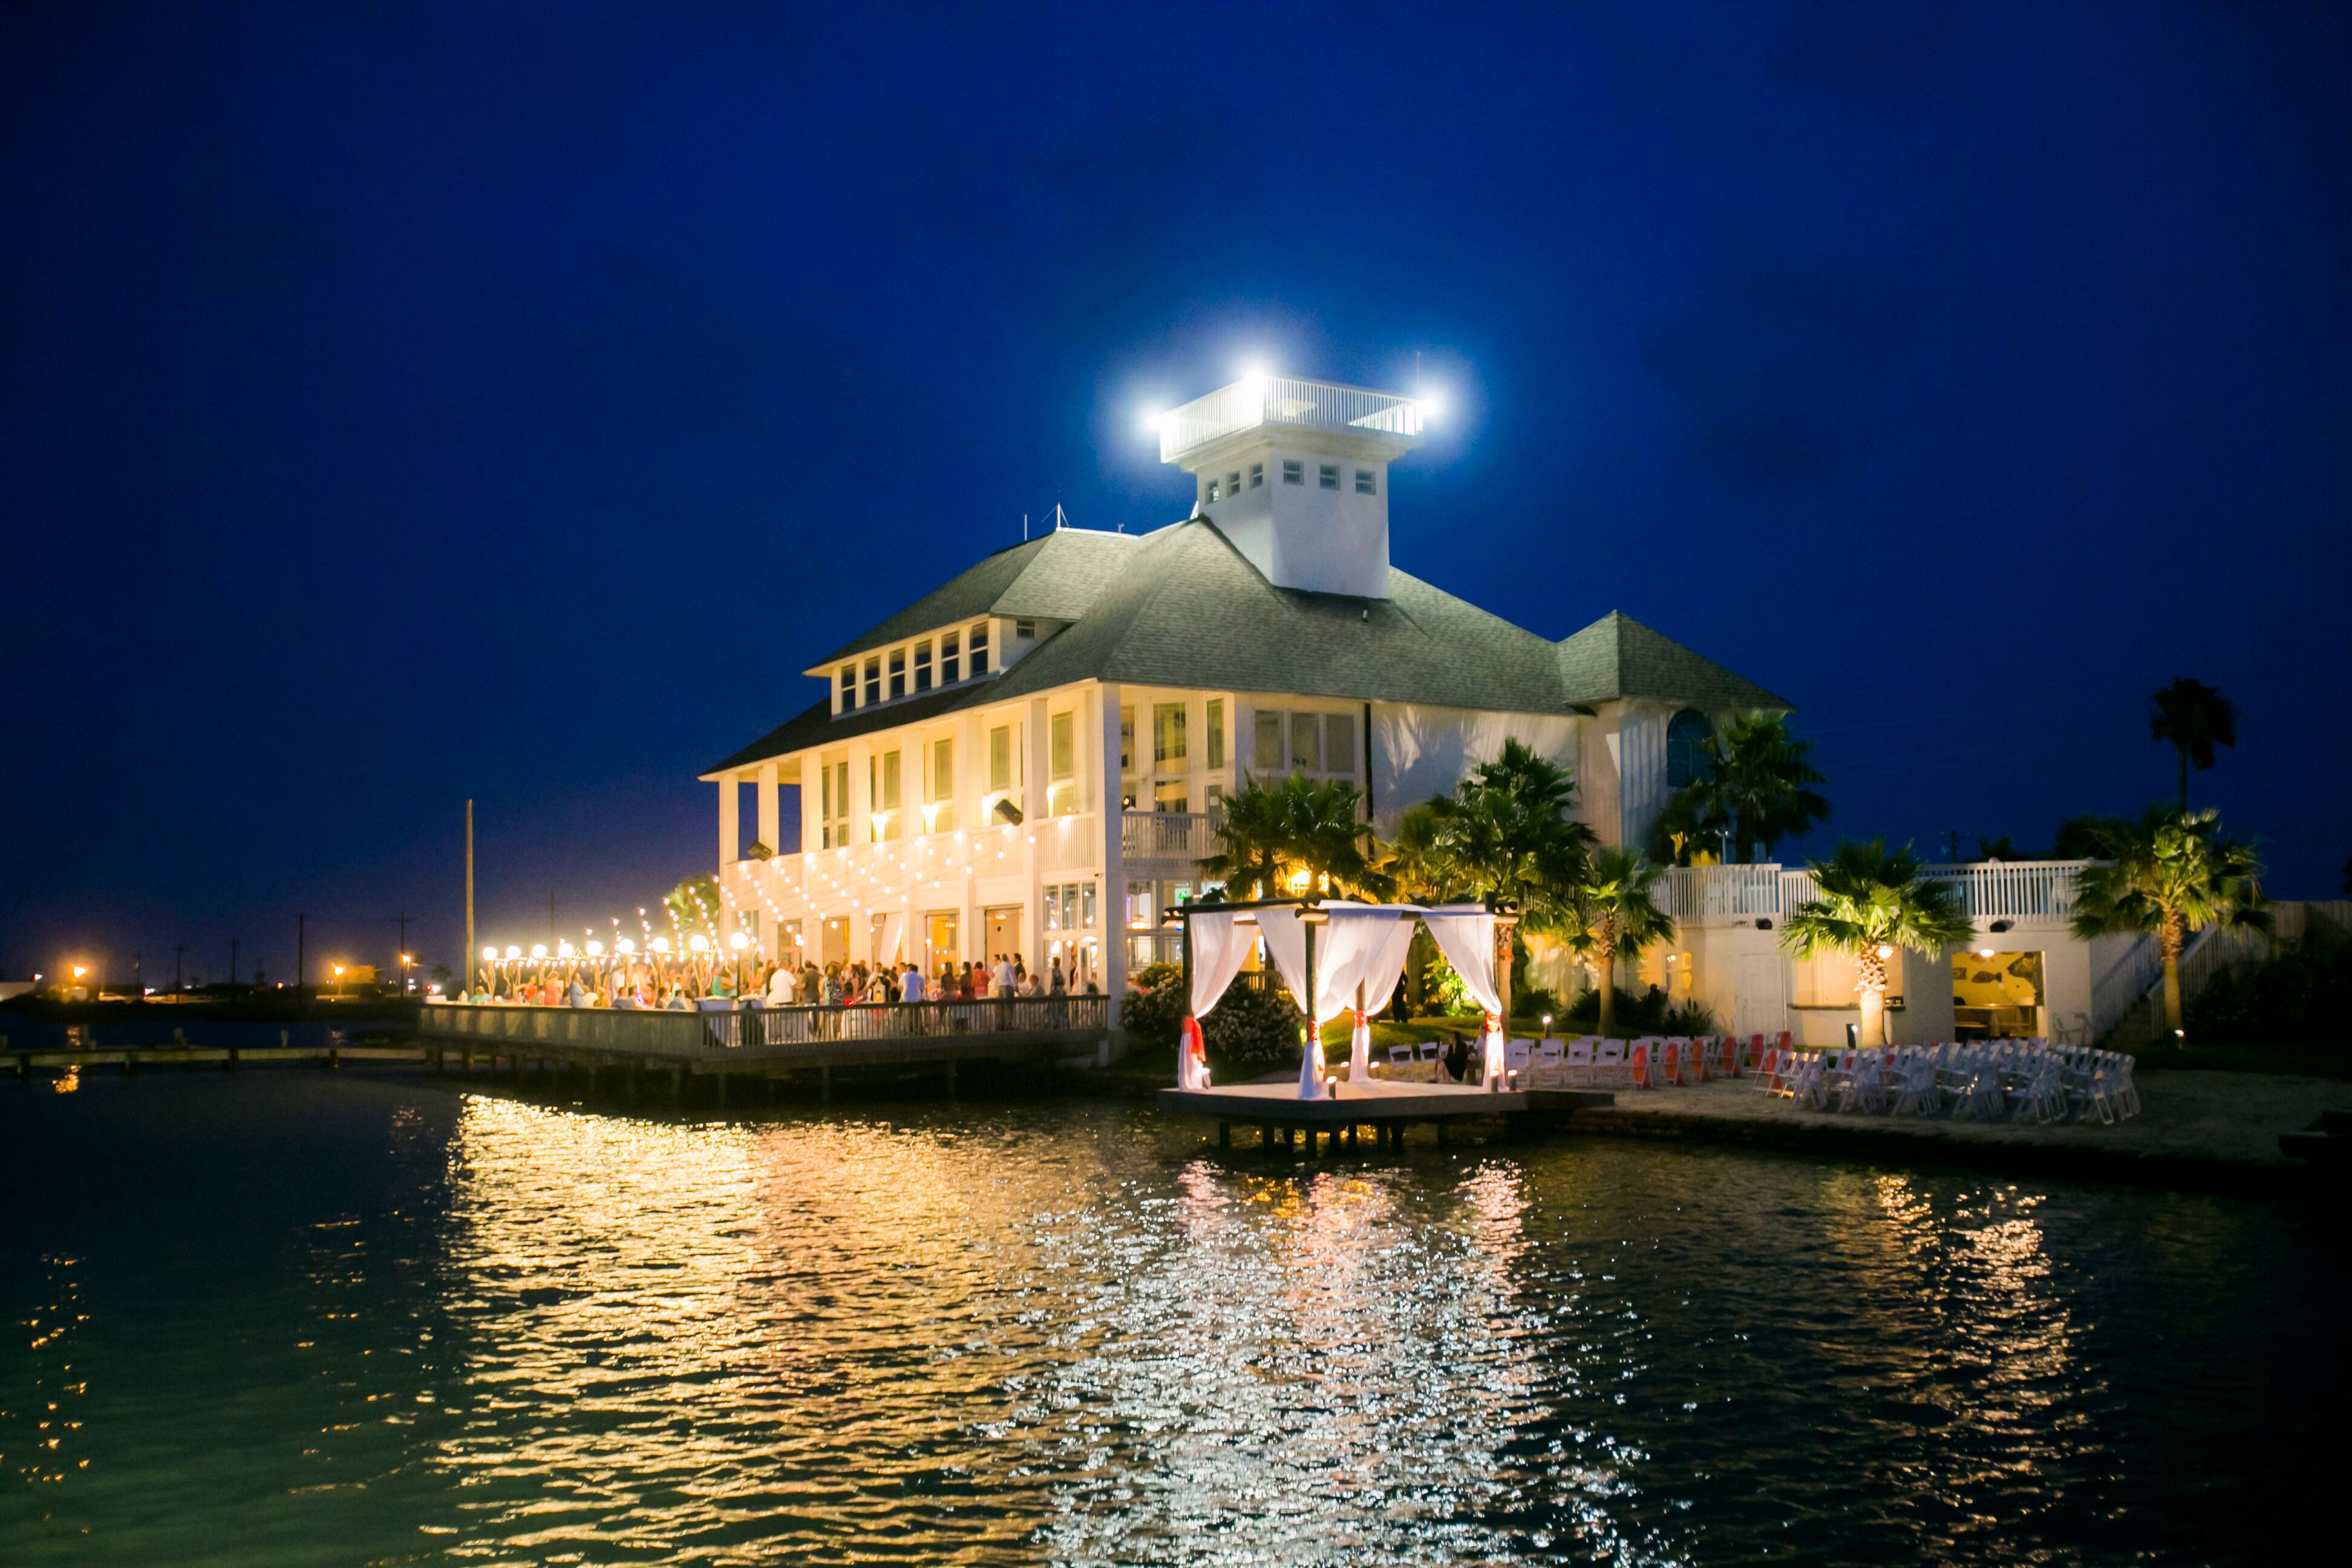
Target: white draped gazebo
column 1337, row 956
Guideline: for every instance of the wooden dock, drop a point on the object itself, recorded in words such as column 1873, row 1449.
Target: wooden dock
column 1385, row 1108
column 130, row 1058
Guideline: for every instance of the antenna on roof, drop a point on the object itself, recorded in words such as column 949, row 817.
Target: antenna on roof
column 1025, row 528
column 1060, row 518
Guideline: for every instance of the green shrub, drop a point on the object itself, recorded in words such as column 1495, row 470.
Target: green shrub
column 1247, row 1028
column 1649, row 1014
column 2298, row 995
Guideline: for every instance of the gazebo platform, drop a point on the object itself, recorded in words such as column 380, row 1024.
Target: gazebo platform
column 1275, row 1109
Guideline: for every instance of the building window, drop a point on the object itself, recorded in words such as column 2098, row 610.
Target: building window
column 941, row 818
column 923, row 665
column 1294, row 473
column 898, row 673
column 1126, row 740
column 833, row 804
column 1087, row 905
column 848, row 687
column 1329, row 474
column 1216, row 731
column 1340, row 744
column 979, row 648
column 1213, row 490
column 1686, row 736
column 1265, row 756
column 1258, row 476
column 951, row 666
column 886, row 795
column 872, row 681
column 1142, row 908
column 1170, row 794
column 1364, row 482
column 1234, row 483
column 1000, row 757
column 1024, row 629
column 1306, row 743
column 1167, row 733
column 1062, row 765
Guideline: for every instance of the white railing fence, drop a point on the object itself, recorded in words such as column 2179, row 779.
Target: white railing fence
column 1186, row 836
column 1284, row 400
column 2026, row 893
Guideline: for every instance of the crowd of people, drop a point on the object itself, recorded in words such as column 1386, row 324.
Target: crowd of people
column 687, row 987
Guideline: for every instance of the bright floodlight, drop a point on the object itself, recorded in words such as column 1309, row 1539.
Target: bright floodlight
column 661, row 944
column 699, row 942
column 596, row 949
column 737, row 941
column 489, row 955
column 562, row 950
column 539, row 949
column 513, row 951
column 1432, row 404
column 626, row 946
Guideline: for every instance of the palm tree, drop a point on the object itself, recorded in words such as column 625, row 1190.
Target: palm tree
column 1272, row 835
column 2173, row 873
column 1506, row 835
column 1758, row 782
column 2195, row 718
column 1871, row 903
column 1617, row 915
column 1419, row 861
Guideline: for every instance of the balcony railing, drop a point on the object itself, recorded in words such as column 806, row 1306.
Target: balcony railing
column 1186, row 836
column 2021, row 892
column 1284, row 400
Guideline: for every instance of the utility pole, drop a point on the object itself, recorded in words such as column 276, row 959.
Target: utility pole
column 468, row 964
column 403, row 922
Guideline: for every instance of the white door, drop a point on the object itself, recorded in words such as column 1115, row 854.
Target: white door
column 1756, row 1006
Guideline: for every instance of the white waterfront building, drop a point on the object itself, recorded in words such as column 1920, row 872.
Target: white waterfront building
column 1027, row 760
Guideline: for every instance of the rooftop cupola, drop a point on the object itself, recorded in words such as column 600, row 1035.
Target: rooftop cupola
column 1295, row 474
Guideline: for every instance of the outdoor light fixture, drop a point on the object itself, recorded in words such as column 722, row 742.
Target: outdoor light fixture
column 1984, row 953
column 596, row 949
column 699, row 942
column 626, row 946
column 539, row 949
column 737, row 941
column 661, row 944
column 563, row 950
column 1884, row 951
column 513, row 952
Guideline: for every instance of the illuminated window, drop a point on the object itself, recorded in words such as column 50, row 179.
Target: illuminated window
column 1329, row 474
column 1170, row 794
column 1063, row 744
column 898, row 673
column 1000, row 757
column 1294, row 473
column 979, row 648
column 1216, row 731
column 950, row 664
column 1168, row 733
column 1364, row 482
column 1258, row 474
column 923, row 665
column 943, row 796
column 873, row 680
column 1126, row 740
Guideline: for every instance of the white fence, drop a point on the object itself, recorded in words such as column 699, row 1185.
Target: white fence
column 2021, row 892
column 1185, row 835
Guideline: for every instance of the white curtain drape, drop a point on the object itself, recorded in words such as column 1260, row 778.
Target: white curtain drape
column 894, row 937
column 1466, row 935
column 1367, row 945
column 1286, row 944
column 1220, row 945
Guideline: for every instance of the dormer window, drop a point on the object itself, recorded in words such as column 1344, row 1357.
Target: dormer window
column 848, row 687
column 1025, row 628
column 872, row 681
column 1213, row 490
column 1329, row 474
column 1258, row 474
column 979, row 648
column 1234, row 483
column 898, row 673
column 1294, row 473
column 950, row 665
column 1364, row 482
column 923, row 665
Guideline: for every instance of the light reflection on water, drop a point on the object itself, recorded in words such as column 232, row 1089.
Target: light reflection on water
column 489, row 1331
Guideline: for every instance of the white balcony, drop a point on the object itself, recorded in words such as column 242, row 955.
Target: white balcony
column 2027, row 893
column 1177, row 835
column 1278, row 400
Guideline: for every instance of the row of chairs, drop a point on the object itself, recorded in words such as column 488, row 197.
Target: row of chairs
column 1653, row 1061
column 2027, row 1081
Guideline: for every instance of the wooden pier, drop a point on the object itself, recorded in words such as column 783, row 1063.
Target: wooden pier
column 182, row 1054
column 1386, row 1109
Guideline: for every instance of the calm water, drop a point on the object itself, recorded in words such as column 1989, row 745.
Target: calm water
column 290, row 1317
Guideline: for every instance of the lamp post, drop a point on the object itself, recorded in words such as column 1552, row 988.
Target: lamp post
column 339, row 981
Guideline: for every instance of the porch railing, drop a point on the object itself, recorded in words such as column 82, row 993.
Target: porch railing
column 1185, row 835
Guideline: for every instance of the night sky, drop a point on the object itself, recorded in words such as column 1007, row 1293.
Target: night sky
column 399, row 405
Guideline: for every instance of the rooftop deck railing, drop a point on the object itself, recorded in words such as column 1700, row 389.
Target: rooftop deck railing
column 1284, row 400
column 2020, row 893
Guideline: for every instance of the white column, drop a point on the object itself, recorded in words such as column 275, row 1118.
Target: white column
column 772, row 824
column 1114, row 875
column 729, row 829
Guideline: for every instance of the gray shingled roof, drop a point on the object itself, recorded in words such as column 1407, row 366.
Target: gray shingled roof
column 1052, row 578
column 1181, row 607
column 1617, row 657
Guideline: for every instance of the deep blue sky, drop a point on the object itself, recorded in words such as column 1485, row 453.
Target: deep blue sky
column 399, row 405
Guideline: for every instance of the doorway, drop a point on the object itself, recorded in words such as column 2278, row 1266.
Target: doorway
column 834, row 944
column 1756, row 1006
column 1996, row 995
column 1003, row 922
